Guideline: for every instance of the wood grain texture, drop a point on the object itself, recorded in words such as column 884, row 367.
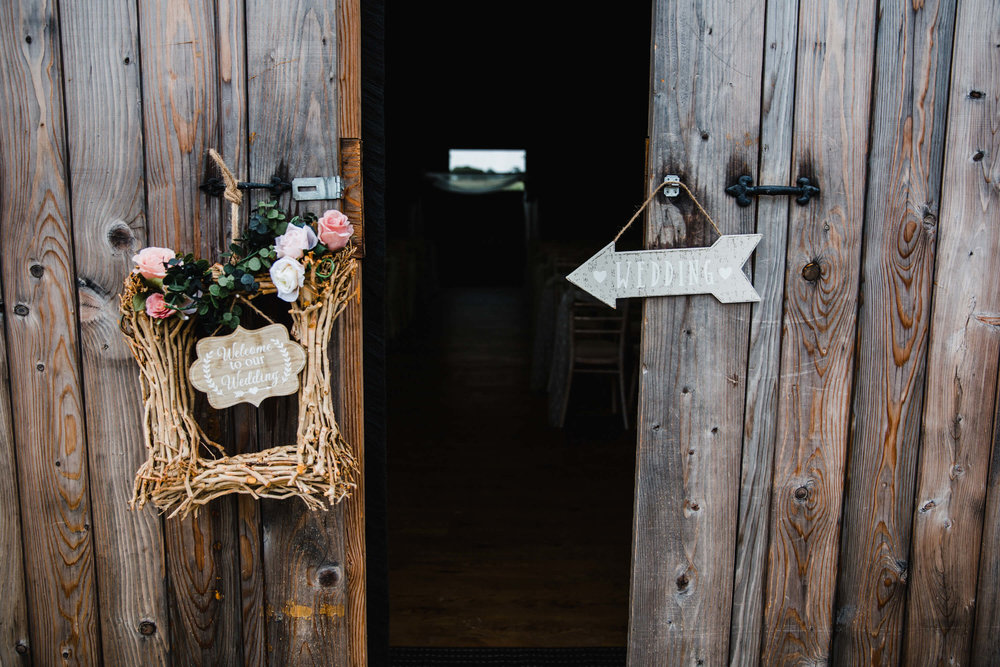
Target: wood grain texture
column 764, row 357
column 351, row 406
column 181, row 112
column 42, row 340
column 14, row 640
column 351, row 339
column 239, row 425
column 961, row 365
column 104, row 136
column 352, row 203
column 833, row 78
column 706, row 82
column 978, row 125
column 294, row 116
column 907, row 146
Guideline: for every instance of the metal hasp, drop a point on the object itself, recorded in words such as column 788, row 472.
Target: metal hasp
column 744, row 189
column 318, row 187
column 214, row 187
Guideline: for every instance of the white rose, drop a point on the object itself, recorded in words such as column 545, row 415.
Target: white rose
column 288, row 276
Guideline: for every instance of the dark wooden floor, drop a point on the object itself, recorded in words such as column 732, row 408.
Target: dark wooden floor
column 502, row 530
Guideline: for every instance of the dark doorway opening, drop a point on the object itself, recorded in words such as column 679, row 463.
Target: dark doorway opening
column 506, row 529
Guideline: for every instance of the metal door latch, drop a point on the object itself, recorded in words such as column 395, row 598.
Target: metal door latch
column 215, row 186
column 744, row 189
column 318, row 187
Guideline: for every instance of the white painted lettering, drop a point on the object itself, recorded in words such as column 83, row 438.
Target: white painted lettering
column 618, row 273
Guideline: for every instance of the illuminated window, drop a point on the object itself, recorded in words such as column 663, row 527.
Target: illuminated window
column 463, row 161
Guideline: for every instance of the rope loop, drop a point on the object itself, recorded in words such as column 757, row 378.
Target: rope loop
column 662, row 185
column 233, row 195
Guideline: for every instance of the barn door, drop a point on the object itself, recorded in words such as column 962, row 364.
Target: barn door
column 814, row 470
column 109, row 107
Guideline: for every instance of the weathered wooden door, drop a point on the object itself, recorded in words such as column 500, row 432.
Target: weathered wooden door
column 814, row 478
column 108, row 108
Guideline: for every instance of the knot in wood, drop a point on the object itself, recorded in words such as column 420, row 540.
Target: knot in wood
column 36, row 270
column 147, row 628
column 21, row 309
column 801, row 493
column 812, row 271
column 21, row 647
column 329, row 575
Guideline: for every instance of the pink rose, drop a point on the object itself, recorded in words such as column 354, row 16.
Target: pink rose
column 156, row 306
column 295, row 241
column 150, row 262
column 335, row 230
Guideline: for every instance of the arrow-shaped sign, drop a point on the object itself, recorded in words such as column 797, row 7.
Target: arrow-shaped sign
column 717, row 270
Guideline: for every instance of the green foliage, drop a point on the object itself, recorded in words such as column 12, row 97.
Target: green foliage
column 190, row 287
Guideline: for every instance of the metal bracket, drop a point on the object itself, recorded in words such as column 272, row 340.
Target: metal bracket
column 317, row 187
column 671, row 189
column 744, row 188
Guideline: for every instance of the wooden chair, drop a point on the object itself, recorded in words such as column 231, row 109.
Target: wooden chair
column 597, row 339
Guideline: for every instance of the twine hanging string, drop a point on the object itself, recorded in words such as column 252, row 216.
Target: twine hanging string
column 655, row 192
column 232, row 194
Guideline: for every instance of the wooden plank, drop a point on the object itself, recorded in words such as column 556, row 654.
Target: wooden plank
column 764, row 357
column 104, row 135
column 907, row 146
column 42, row 339
column 704, row 126
column 976, row 125
column 961, row 364
column 239, row 425
column 350, row 405
column 14, row 641
column 835, row 45
column 181, row 111
column 292, row 54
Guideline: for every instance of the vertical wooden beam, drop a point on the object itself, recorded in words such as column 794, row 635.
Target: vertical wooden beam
column 907, row 145
column 977, row 126
column 104, row 136
column 181, row 111
column 704, row 126
column 294, row 119
column 14, row 642
column 958, row 420
column 764, row 359
column 835, row 46
column 39, row 290
column 239, row 424
column 349, row 350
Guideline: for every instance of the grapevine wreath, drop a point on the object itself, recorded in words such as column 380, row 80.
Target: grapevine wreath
column 171, row 301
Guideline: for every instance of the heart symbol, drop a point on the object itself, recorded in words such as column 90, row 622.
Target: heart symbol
column 599, row 276
column 725, row 272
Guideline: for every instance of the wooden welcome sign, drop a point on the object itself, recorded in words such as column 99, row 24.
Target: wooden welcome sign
column 247, row 366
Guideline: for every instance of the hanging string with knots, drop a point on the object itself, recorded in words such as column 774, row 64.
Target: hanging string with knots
column 233, row 195
column 654, row 193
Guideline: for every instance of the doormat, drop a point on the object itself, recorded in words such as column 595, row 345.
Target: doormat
column 599, row 656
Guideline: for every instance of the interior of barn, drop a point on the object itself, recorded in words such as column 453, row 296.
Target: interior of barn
column 510, row 474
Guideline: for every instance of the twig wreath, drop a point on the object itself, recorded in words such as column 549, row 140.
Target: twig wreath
column 172, row 302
